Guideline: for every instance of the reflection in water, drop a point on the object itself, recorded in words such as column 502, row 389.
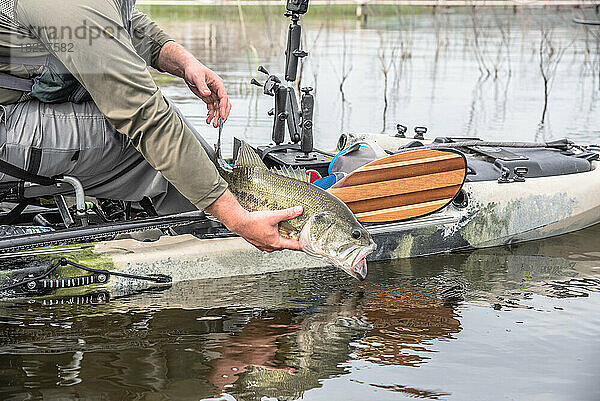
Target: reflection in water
column 405, row 320
column 281, row 335
column 409, row 391
column 255, row 347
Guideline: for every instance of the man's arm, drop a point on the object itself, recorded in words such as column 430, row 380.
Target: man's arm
column 261, row 229
column 162, row 53
column 147, row 37
column 202, row 81
column 102, row 58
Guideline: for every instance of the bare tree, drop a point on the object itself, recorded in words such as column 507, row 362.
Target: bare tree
column 477, row 42
column 404, row 43
column 310, row 49
column 503, row 53
column 346, row 68
column 592, row 48
column 250, row 49
column 550, row 53
column 386, row 61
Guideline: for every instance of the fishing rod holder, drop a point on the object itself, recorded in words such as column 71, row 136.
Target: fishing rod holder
column 293, row 52
column 299, row 121
column 295, row 112
column 286, row 111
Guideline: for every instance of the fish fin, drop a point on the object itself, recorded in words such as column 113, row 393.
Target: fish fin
column 299, row 174
column 247, row 157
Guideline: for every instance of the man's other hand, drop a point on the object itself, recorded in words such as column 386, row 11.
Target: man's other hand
column 209, row 87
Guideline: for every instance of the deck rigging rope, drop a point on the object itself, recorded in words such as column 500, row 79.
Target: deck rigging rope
column 564, row 145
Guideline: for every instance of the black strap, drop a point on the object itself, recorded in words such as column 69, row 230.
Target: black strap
column 148, row 206
column 35, row 160
column 8, row 81
column 24, row 175
column 36, row 60
column 11, row 216
column 15, row 83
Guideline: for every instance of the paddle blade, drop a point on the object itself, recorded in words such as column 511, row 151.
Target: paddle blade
column 403, row 186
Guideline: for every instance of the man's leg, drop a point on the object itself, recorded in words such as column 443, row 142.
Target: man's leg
column 75, row 139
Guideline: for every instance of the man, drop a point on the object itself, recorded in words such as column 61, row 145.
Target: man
column 77, row 98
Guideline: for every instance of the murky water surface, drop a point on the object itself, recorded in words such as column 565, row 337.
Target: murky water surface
column 503, row 323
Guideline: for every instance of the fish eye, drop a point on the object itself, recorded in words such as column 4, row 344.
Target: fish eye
column 356, row 234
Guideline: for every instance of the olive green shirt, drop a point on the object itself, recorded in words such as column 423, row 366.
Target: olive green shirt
column 111, row 61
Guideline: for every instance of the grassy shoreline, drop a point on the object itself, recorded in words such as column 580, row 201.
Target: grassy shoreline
column 184, row 12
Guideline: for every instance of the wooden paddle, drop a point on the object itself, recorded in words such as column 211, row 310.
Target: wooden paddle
column 403, row 186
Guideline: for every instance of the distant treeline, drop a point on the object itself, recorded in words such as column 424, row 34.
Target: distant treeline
column 207, row 11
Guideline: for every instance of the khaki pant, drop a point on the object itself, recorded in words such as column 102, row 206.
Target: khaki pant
column 75, row 139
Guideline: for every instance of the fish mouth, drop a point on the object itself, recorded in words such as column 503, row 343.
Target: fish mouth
column 358, row 268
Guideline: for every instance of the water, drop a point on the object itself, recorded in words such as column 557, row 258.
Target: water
column 507, row 323
column 518, row 322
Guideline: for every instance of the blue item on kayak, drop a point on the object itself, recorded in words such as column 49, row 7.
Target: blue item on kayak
column 341, row 152
column 325, row 182
column 347, row 164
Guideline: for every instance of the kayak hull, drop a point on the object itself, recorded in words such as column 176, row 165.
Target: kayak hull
column 497, row 214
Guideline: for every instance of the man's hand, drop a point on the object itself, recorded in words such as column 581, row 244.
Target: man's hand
column 261, row 229
column 209, row 87
column 202, row 81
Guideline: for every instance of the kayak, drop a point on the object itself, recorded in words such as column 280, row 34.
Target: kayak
column 555, row 192
column 511, row 193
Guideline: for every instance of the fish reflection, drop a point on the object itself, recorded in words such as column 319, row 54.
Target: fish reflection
column 256, row 345
column 318, row 349
column 397, row 317
column 376, row 323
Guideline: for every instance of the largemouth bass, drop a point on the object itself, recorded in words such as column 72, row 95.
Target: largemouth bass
column 326, row 228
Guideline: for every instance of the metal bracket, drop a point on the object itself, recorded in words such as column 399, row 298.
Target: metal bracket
column 79, row 198
column 63, row 209
column 504, row 176
column 520, row 173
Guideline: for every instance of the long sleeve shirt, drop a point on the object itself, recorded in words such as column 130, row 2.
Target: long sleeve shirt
column 111, row 61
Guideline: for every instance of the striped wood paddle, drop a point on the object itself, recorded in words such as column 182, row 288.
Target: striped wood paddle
column 403, row 186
